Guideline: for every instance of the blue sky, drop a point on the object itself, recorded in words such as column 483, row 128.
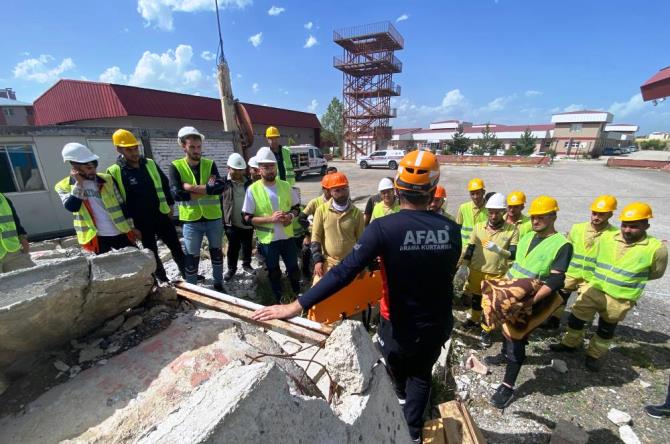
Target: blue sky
column 501, row 61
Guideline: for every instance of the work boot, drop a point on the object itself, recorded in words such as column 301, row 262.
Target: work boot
column 469, row 324
column 592, row 364
column 658, row 411
column 502, row 397
column 485, row 339
column 562, row 348
column 201, row 278
column 553, row 323
column 248, row 268
column 229, row 274
column 218, row 286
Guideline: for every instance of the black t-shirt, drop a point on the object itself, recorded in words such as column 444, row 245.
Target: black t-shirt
column 141, row 198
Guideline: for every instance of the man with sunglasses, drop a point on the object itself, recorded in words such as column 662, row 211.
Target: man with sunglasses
column 101, row 221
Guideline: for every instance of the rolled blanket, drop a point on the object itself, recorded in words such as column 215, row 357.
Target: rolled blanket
column 508, row 300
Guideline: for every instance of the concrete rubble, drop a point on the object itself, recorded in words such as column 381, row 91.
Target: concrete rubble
column 52, row 303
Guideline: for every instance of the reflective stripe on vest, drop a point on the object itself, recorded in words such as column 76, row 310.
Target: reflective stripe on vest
column 469, row 221
column 583, row 260
column 288, row 165
column 82, row 220
column 624, row 277
column 207, row 206
column 537, row 263
column 381, row 210
column 152, row 169
column 266, row 232
column 9, row 236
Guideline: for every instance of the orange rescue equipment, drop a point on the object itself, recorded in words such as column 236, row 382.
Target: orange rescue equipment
column 354, row 298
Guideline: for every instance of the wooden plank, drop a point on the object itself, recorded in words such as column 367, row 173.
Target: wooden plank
column 280, row 326
column 468, row 431
column 433, row 432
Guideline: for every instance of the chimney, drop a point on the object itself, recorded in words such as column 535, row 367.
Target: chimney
column 8, row 93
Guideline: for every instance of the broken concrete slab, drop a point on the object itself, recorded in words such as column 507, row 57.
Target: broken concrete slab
column 52, row 303
column 618, row 417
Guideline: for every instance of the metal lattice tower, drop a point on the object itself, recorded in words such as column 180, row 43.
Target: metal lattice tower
column 368, row 64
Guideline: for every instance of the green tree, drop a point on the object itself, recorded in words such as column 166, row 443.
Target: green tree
column 525, row 146
column 332, row 123
column 458, row 144
column 489, row 143
column 656, row 145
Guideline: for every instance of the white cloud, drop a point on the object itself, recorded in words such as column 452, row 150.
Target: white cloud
column 311, row 41
column 498, row 104
column 159, row 12
column 532, row 93
column 208, row 55
column 275, row 10
column 172, row 70
column 113, row 75
column 453, row 98
column 624, row 109
column 39, row 69
column 309, row 25
column 312, row 106
column 573, row 107
column 255, row 88
column 402, row 18
column 256, row 39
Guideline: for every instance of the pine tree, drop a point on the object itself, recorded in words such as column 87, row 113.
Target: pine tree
column 525, row 146
column 332, row 123
column 458, row 144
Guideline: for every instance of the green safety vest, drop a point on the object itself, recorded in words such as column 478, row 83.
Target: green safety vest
column 524, row 226
column 298, row 230
column 625, row 277
column 583, row 260
column 83, row 222
column 266, row 232
column 381, row 210
column 537, row 263
column 115, row 171
column 288, row 165
column 467, row 210
column 9, row 236
column 207, row 206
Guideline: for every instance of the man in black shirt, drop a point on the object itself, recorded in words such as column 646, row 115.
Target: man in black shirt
column 414, row 246
column 370, row 205
column 148, row 199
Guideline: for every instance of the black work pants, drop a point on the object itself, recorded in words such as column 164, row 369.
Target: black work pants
column 239, row 238
column 109, row 243
column 161, row 227
column 515, row 354
column 410, row 366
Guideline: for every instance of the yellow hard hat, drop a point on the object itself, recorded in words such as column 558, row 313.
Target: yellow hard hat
column 475, row 184
column 604, row 204
column 271, row 132
column 516, row 198
column 124, row 139
column 636, row 211
column 543, row 205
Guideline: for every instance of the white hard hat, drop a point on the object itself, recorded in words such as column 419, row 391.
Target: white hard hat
column 253, row 163
column 76, row 152
column 265, row 155
column 236, row 161
column 385, row 184
column 496, row 202
column 189, row 131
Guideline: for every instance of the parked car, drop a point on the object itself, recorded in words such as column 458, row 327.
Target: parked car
column 610, row 151
column 384, row 158
column 307, row 159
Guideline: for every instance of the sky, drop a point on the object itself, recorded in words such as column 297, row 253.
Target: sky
column 500, row 61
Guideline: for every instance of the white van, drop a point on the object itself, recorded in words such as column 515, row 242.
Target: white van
column 384, row 158
column 307, row 159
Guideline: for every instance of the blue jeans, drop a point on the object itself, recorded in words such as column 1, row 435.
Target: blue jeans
column 285, row 249
column 193, row 233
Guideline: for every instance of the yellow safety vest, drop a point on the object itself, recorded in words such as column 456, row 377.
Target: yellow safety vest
column 381, row 210
column 537, row 263
column 624, row 277
column 207, row 206
column 266, row 232
column 9, row 236
column 83, row 222
column 467, row 211
column 583, row 259
column 115, row 171
column 288, row 165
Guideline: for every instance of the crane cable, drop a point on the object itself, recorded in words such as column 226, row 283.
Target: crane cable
column 221, row 58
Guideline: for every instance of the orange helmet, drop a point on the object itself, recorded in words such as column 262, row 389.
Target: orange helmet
column 418, row 171
column 325, row 181
column 440, row 192
column 336, row 180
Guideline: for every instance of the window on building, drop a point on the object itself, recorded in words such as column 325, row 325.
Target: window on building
column 575, row 144
column 575, row 127
column 566, row 144
column 547, row 143
column 19, row 170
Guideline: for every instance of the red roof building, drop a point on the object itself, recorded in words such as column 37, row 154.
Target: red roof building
column 658, row 86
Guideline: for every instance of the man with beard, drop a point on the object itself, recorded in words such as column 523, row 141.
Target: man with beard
column 240, row 235
column 146, row 191
column 624, row 262
column 337, row 227
column 584, row 238
column 101, row 221
column 491, row 247
column 196, row 187
column 270, row 205
column 516, row 202
column 472, row 212
column 439, row 202
column 282, row 155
